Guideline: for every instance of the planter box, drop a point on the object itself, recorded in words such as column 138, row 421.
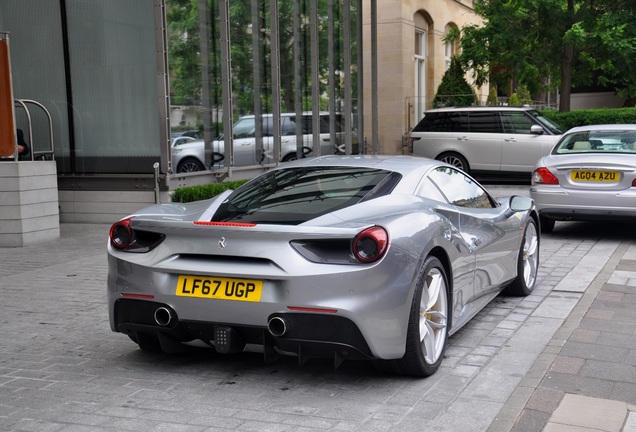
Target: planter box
column 29, row 209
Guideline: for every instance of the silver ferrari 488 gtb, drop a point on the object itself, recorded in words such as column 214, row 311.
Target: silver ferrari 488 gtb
column 346, row 257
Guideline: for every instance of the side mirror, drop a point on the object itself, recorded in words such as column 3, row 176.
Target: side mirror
column 536, row 130
column 519, row 203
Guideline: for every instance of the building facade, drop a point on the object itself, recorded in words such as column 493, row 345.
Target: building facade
column 411, row 60
column 108, row 75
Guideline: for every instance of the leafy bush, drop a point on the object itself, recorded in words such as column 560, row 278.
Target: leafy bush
column 492, row 96
column 203, row 192
column 524, row 95
column 575, row 118
column 454, row 90
column 514, row 100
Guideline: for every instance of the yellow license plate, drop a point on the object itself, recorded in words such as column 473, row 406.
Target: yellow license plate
column 220, row 288
column 594, row 176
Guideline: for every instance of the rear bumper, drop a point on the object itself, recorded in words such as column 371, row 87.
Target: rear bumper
column 564, row 204
column 586, row 214
column 303, row 334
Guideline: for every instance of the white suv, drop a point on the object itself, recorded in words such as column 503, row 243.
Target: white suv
column 190, row 156
column 485, row 139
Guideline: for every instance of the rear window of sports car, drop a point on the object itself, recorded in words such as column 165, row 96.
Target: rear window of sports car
column 295, row 195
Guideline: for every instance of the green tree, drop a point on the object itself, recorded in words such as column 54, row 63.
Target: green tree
column 524, row 95
column 454, row 89
column 573, row 42
column 492, row 96
column 514, row 100
column 183, row 17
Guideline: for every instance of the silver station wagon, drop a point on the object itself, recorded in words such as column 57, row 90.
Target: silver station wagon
column 485, row 139
column 190, row 156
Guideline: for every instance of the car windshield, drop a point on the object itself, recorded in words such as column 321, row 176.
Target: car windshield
column 295, row 195
column 554, row 127
column 597, row 141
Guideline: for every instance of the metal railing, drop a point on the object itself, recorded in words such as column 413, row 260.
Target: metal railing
column 48, row 154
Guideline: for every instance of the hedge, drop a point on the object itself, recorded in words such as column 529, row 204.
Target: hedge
column 575, row 118
column 203, row 192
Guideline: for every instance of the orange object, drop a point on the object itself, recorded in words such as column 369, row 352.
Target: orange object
column 7, row 129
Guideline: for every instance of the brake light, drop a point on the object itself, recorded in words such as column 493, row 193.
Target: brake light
column 230, row 224
column 544, row 176
column 370, row 245
column 121, row 235
column 634, row 183
column 125, row 239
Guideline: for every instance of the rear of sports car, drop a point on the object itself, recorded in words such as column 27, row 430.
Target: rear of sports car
column 273, row 265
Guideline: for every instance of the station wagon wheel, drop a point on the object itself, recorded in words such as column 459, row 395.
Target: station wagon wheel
column 190, row 164
column 290, row 157
column 527, row 262
column 454, row 159
column 427, row 332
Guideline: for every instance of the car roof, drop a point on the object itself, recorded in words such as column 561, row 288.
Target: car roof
column 481, row 108
column 403, row 164
column 321, row 113
column 607, row 127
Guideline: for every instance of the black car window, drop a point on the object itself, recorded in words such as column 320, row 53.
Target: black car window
column 244, row 128
column 288, row 126
column 338, row 123
column 445, row 121
column 295, row 195
column 517, row 122
column 308, row 125
column 459, row 189
column 268, row 127
column 485, row 122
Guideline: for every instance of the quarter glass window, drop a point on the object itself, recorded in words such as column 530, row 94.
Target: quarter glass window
column 459, row 189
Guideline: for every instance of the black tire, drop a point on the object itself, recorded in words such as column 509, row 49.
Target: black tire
column 190, row 164
column 423, row 357
column 456, row 160
column 527, row 262
column 547, row 224
column 290, row 157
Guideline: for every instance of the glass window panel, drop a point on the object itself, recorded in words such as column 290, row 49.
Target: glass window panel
column 112, row 53
column 37, row 62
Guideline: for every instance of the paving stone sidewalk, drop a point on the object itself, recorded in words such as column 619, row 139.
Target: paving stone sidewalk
column 513, row 366
column 585, row 380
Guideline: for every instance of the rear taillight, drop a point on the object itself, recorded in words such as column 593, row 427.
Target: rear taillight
column 121, row 235
column 634, row 183
column 371, row 244
column 544, row 176
column 124, row 238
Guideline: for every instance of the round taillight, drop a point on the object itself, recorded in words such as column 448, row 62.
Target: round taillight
column 371, row 244
column 121, row 235
column 544, row 176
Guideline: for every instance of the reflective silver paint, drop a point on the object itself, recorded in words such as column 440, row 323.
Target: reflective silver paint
column 480, row 247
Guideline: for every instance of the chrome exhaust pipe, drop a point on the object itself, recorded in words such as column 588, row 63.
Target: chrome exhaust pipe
column 277, row 326
column 163, row 317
